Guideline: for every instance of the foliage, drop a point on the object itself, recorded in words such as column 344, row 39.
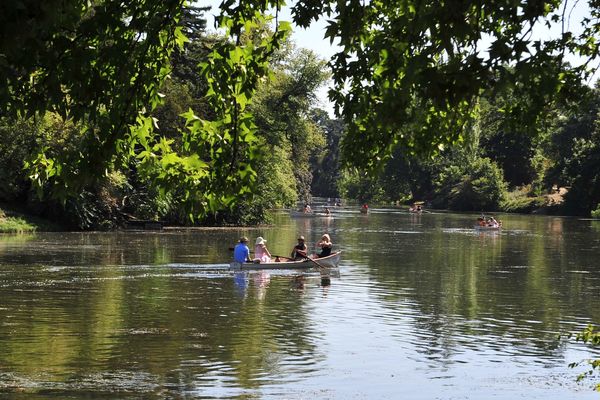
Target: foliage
column 218, row 158
column 589, row 335
column 191, row 167
column 407, row 175
column 282, row 110
column 511, row 147
column 141, row 200
column 275, row 186
column 21, row 139
column 74, row 66
column 584, row 193
column 410, row 76
column 16, row 222
column 411, row 61
column 362, row 187
column 575, row 149
column 215, row 161
column 520, row 201
column 326, row 167
column 479, row 187
column 596, row 213
column 18, row 139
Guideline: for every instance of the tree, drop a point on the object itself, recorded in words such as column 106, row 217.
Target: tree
column 282, row 111
column 102, row 64
column 575, row 154
column 426, row 62
column 326, row 167
column 473, row 187
column 403, row 63
column 512, row 148
column 94, row 62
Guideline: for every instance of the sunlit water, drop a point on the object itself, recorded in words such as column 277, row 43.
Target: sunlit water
column 421, row 307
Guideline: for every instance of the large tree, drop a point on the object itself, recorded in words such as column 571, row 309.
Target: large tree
column 428, row 62
column 575, row 152
column 100, row 62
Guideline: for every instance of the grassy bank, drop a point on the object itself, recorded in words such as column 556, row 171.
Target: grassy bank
column 14, row 222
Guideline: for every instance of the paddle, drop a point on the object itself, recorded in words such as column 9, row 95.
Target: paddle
column 325, row 279
column 319, row 265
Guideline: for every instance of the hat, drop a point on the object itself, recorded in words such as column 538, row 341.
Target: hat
column 260, row 240
column 300, row 237
column 326, row 236
column 243, row 239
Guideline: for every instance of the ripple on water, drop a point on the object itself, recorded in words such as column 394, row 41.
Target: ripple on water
column 109, row 382
column 452, row 322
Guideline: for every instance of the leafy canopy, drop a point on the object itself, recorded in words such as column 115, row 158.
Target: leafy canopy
column 409, row 73
column 426, row 62
column 102, row 63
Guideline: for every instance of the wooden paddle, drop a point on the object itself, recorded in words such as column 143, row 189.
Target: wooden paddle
column 325, row 279
column 319, row 265
column 305, row 258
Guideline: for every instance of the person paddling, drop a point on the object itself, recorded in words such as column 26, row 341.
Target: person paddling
column 299, row 252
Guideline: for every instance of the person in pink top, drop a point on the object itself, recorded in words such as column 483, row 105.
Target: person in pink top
column 261, row 253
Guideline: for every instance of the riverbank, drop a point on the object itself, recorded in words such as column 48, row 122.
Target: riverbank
column 15, row 222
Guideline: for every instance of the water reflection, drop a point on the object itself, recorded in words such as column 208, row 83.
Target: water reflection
column 421, row 305
column 240, row 280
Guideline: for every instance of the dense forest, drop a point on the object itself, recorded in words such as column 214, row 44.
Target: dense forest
column 115, row 111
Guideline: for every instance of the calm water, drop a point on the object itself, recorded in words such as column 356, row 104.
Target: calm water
column 422, row 307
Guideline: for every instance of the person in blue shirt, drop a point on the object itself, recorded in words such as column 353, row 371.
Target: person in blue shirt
column 241, row 252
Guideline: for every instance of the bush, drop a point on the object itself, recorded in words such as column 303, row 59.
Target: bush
column 478, row 187
column 521, row 201
column 364, row 188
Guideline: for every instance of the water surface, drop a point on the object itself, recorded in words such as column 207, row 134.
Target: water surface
column 421, row 307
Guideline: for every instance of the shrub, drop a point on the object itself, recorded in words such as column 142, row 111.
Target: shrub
column 478, row 187
column 362, row 187
column 521, row 201
column 596, row 212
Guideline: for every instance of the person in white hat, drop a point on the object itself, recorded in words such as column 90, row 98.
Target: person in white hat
column 261, row 253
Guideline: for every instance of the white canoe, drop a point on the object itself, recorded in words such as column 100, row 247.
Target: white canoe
column 325, row 262
column 487, row 228
column 300, row 214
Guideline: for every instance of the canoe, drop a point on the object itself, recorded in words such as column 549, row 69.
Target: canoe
column 300, row 214
column 487, row 228
column 330, row 261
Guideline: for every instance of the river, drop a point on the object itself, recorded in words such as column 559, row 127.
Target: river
column 421, row 307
